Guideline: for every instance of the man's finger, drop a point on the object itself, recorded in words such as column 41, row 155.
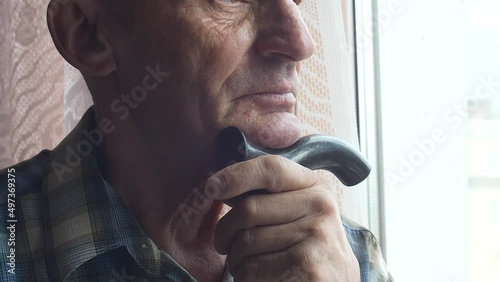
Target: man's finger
column 273, row 173
column 263, row 267
column 258, row 210
column 290, row 265
column 264, row 240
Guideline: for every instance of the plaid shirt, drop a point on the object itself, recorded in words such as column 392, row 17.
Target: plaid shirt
column 70, row 225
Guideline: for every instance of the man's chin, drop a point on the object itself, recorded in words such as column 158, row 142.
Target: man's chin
column 275, row 133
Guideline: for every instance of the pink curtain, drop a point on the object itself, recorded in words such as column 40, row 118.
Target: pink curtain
column 42, row 96
column 31, row 83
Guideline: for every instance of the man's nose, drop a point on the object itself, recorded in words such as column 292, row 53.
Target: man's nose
column 282, row 31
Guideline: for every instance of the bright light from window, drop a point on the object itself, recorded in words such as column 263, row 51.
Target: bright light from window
column 484, row 17
column 440, row 106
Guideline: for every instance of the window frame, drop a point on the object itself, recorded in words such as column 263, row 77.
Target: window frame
column 369, row 110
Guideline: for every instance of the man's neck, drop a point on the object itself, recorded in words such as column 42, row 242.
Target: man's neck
column 170, row 206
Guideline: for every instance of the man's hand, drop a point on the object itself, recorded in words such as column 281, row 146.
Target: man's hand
column 296, row 226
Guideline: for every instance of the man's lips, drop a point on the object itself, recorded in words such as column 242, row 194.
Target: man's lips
column 272, row 101
column 271, row 123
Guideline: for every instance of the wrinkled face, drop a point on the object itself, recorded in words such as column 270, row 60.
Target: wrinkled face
column 231, row 62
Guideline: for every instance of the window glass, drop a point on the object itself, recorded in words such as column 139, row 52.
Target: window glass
column 439, row 77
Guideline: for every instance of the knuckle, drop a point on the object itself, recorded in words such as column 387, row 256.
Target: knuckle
column 317, row 231
column 322, row 177
column 324, row 202
column 304, row 258
column 272, row 168
column 248, row 207
column 309, row 261
column 246, row 239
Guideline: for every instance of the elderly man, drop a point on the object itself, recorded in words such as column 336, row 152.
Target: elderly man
column 130, row 194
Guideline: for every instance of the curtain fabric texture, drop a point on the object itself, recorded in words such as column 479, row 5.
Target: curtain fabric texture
column 43, row 97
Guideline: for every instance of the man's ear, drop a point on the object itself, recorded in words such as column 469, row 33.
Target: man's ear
column 80, row 37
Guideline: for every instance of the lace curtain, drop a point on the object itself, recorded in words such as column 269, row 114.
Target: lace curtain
column 42, row 97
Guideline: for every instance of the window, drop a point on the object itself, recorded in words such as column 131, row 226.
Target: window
column 429, row 93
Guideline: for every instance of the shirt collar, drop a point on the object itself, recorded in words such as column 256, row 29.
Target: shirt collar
column 84, row 215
